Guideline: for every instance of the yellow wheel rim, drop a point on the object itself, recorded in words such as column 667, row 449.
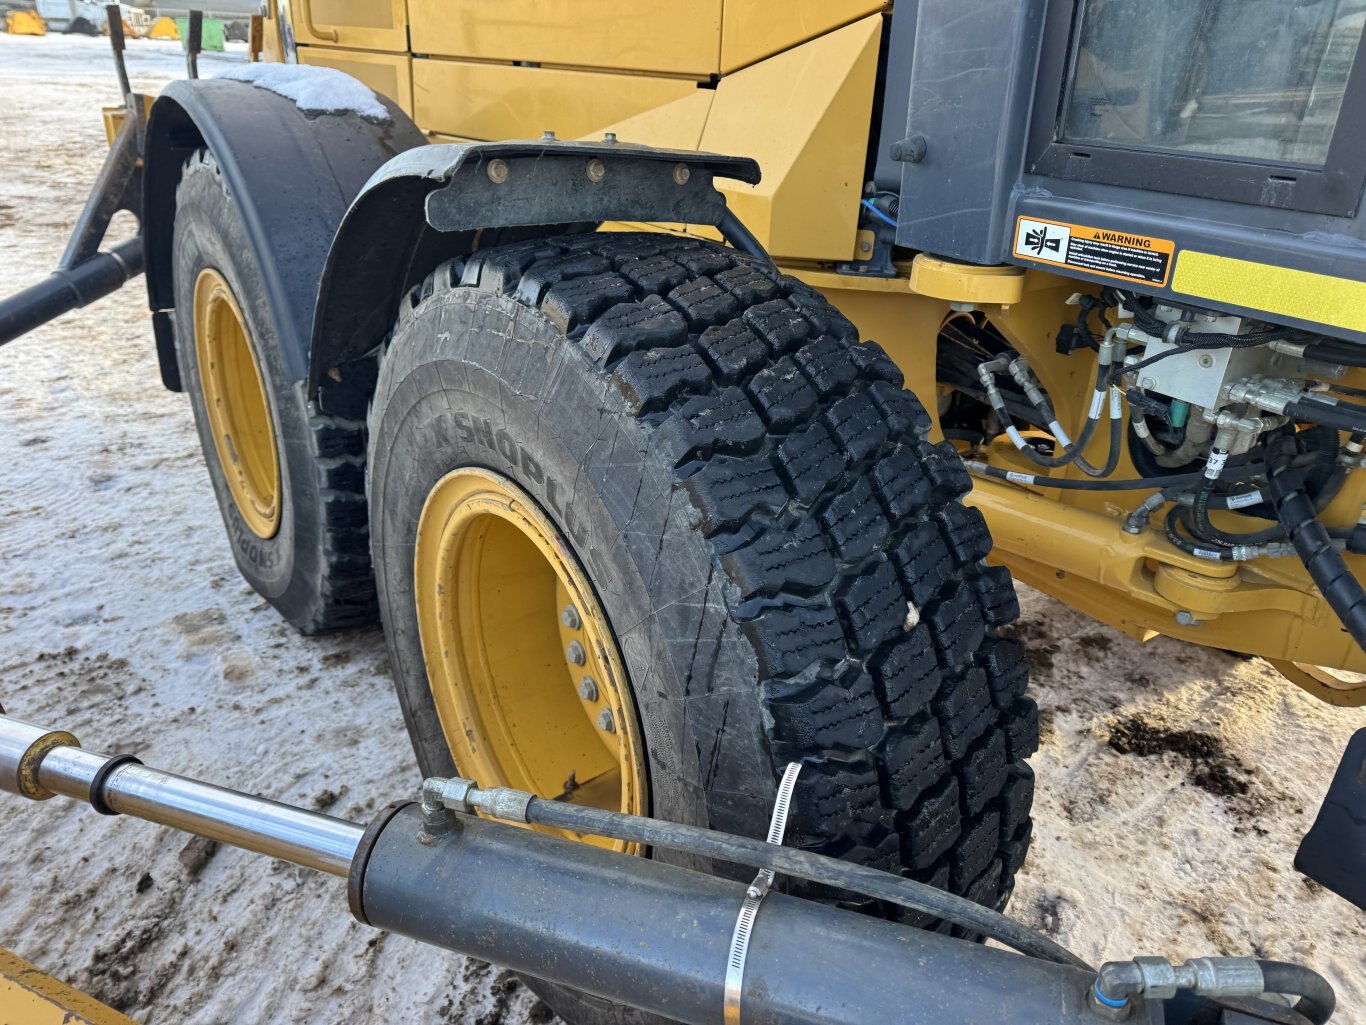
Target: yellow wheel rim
column 235, row 397
column 528, row 683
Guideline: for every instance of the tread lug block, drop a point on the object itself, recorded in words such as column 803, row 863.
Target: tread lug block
column 873, row 607
column 810, row 460
column 820, row 314
column 626, row 327
column 983, row 772
column 906, row 417
column 938, row 877
column 1007, row 672
column 932, row 826
column 729, row 490
column 733, row 349
column 1017, row 797
column 791, row 639
column 974, row 851
column 965, row 712
column 541, row 275
column 1015, row 850
column 874, row 364
column 745, row 283
column 996, row 595
column 715, row 423
column 857, row 426
column 923, row 562
column 914, row 761
column 701, row 261
column 965, row 532
column 779, row 561
column 654, row 275
column 827, row 365
column 957, row 623
column 500, row 270
column 984, row 890
column 778, row 324
column 783, row 395
column 1022, row 729
column 900, row 484
column 907, row 674
column 703, row 303
column 836, row 798
column 945, row 471
column 650, row 379
column 854, row 522
column 824, row 716
column 578, row 300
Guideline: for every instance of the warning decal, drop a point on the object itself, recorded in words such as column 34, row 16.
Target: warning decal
column 1113, row 254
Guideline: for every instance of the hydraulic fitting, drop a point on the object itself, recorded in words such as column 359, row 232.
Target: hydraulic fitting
column 1156, row 978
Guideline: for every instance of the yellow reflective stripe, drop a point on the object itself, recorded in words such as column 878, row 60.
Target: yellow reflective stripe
column 1317, row 298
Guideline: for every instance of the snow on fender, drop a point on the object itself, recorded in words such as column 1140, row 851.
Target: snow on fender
column 314, row 90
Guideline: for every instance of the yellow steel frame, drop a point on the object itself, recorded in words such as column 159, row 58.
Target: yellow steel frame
column 29, row 996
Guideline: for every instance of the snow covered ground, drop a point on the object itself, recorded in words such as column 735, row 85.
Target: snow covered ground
column 1174, row 782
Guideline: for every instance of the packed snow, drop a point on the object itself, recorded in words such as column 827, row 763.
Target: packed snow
column 1174, row 782
column 314, row 90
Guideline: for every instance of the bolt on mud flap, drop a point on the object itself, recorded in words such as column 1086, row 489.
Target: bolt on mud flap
column 1333, row 852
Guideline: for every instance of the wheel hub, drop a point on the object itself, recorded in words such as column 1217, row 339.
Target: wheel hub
column 235, row 399
column 528, row 683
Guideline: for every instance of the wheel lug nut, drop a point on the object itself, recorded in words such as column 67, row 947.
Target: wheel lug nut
column 605, row 721
column 570, row 617
column 588, row 689
column 576, row 654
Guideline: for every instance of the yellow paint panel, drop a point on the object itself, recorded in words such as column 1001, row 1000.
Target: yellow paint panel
column 500, row 101
column 754, row 29
column 804, row 115
column 676, row 125
column 1317, row 298
column 358, row 24
column 30, row 997
column 639, row 35
column 388, row 74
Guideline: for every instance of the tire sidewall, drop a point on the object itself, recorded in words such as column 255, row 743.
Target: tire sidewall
column 210, row 233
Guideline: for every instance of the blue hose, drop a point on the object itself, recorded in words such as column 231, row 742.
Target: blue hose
column 872, row 208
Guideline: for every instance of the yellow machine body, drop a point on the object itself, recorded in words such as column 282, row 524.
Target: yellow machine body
column 25, row 23
column 791, row 83
column 28, row 996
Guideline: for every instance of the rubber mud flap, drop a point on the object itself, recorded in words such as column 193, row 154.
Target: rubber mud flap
column 1333, row 852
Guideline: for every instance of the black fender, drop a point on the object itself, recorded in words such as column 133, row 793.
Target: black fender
column 293, row 175
column 441, row 201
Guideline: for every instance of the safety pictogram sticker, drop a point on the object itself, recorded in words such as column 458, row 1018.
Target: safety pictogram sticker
column 1113, row 254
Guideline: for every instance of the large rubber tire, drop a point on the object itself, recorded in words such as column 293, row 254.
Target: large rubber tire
column 316, row 568
column 784, row 557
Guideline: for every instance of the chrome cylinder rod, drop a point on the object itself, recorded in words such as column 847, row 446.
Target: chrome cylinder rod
column 267, row 827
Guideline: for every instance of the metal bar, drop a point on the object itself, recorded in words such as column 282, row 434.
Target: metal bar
column 113, row 15
column 117, row 187
column 301, row 837
column 66, row 290
column 194, row 42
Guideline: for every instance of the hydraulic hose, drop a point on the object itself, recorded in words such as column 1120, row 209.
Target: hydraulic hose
column 815, row 868
column 1318, row 551
column 1344, row 416
column 1317, row 1000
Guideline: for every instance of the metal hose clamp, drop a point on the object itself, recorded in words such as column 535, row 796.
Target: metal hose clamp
column 749, row 910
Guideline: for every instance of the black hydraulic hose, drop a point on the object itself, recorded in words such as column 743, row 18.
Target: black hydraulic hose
column 1345, row 416
column 1325, row 564
column 1317, row 1000
column 1190, row 547
column 1173, row 482
column 815, row 868
column 1344, row 353
column 1072, row 452
column 1112, row 457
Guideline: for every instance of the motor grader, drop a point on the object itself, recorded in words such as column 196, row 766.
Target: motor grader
column 669, row 440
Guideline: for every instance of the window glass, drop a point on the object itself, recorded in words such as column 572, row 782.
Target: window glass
column 1255, row 79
